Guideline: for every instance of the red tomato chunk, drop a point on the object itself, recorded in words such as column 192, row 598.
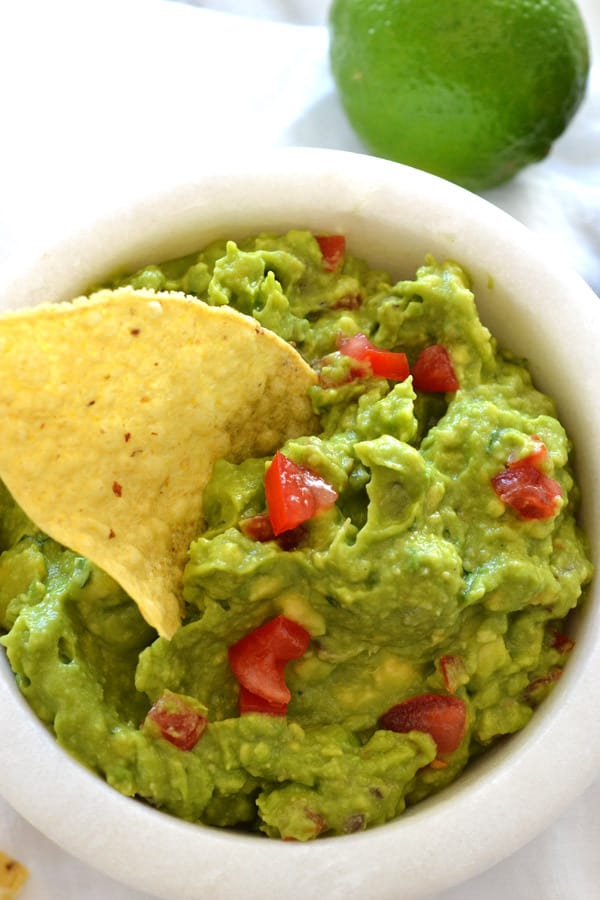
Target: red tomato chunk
column 433, row 371
column 562, row 643
column 537, row 457
column 258, row 662
column 333, row 248
column 258, row 528
column 250, row 703
column 294, row 494
column 527, row 490
column 442, row 716
column 383, row 363
column 178, row 722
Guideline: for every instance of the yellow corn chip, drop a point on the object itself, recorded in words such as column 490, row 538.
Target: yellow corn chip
column 13, row 876
column 114, row 409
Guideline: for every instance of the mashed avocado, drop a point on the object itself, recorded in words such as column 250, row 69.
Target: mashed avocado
column 419, row 580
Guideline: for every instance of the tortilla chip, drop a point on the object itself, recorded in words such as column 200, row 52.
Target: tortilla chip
column 13, row 876
column 114, row 409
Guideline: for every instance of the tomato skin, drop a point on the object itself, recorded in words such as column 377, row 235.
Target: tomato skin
column 294, row 494
column 257, row 528
column 442, row 716
column 250, row 703
column 433, row 371
column 178, row 722
column 383, row 363
column 356, row 347
column 258, row 659
column 333, row 248
column 348, row 301
column 531, row 493
column 537, row 457
column 562, row 643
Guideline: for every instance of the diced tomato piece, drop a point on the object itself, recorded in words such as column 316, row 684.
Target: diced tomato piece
column 257, row 528
column 178, row 721
column 258, row 660
column 294, row 493
column 282, row 636
column 355, row 347
column 531, row 493
column 383, row 363
column 442, row 716
column 250, row 703
column 537, row 457
column 562, row 643
column 348, row 301
column 453, row 671
column 433, row 371
column 292, row 539
column 333, row 248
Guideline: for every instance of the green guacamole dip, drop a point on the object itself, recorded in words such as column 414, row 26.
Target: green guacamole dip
column 418, row 562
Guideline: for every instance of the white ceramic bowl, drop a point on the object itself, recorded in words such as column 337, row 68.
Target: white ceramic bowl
column 392, row 216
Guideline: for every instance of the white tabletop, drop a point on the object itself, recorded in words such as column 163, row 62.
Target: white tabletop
column 102, row 98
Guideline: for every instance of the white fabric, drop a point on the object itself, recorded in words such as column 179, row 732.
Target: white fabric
column 99, row 99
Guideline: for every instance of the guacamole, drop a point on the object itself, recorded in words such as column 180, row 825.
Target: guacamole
column 418, row 576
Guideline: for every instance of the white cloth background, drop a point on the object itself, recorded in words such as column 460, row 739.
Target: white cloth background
column 100, row 98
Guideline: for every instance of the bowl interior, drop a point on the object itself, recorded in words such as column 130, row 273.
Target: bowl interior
column 392, row 216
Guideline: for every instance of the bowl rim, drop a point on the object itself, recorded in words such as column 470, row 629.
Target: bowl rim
column 430, row 847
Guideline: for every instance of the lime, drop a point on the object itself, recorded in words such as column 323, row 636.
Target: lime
column 471, row 90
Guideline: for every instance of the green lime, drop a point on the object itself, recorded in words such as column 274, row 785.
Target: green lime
column 471, row 90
